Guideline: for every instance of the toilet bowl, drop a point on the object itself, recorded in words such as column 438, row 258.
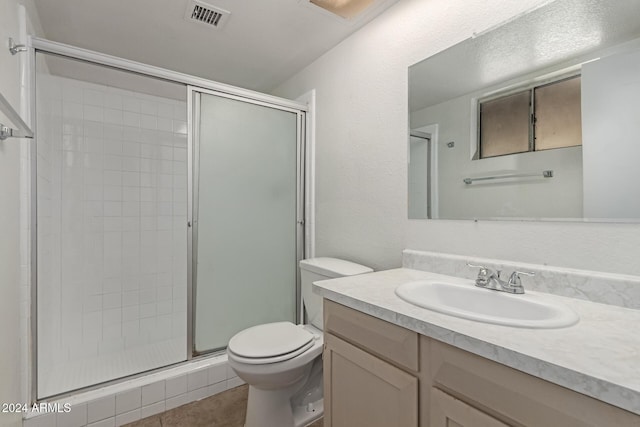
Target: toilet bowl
column 282, row 361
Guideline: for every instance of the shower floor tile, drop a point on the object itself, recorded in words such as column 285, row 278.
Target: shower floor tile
column 226, row 409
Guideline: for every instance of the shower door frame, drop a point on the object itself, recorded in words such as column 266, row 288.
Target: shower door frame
column 193, row 162
column 192, row 83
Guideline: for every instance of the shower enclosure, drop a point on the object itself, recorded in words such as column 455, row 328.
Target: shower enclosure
column 247, row 206
column 169, row 214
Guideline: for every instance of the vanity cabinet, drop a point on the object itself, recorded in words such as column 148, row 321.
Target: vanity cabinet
column 365, row 390
column 370, row 371
column 380, row 374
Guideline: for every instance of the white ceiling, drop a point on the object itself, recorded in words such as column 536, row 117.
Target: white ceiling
column 263, row 43
column 552, row 36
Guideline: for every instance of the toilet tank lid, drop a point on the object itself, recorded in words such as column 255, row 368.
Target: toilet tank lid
column 333, row 267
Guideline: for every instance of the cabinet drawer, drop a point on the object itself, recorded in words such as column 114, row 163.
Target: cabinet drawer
column 514, row 397
column 393, row 343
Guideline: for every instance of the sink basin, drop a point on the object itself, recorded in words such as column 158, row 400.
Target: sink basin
column 484, row 305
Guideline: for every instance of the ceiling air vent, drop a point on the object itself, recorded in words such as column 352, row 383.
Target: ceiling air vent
column 206, row 14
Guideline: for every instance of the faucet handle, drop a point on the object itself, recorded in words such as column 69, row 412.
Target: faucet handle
column 484, row 274
column 483, row 269
column 514, row 279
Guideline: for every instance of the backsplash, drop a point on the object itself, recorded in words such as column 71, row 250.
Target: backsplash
column 607, row 288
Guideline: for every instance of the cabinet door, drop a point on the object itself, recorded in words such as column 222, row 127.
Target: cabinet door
column 363, row 390
column 447, row 411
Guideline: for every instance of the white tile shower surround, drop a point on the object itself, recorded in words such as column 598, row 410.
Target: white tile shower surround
column 142, row 397
column 112, row 206
column 607, row 288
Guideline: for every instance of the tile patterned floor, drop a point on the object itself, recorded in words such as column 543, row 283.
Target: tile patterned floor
column 226, row 409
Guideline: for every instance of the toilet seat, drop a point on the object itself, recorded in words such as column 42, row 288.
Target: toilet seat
column 270, row 343
column 275, row 359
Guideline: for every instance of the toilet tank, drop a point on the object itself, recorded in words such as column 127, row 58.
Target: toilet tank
column 315, row 269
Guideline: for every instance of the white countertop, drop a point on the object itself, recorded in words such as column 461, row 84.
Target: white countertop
column 598, row 357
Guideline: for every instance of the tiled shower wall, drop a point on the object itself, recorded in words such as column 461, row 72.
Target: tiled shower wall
column 112, row 234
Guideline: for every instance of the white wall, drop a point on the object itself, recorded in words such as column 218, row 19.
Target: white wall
column 10, row 359
column 9, row 225
column 361, row 152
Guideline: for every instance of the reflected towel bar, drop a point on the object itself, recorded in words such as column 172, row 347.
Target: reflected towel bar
column 5, row 132
column 545, row 174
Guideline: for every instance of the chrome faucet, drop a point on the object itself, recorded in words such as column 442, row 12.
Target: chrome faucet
column 490, row 279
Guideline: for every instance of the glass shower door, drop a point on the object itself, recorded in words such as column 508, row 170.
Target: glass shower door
column 246, row 209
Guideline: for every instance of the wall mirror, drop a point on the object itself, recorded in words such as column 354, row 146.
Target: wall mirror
column 537, row 119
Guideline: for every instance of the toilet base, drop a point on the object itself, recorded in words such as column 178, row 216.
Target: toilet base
column 266, row 408
column 297, row 405
column 305, row 415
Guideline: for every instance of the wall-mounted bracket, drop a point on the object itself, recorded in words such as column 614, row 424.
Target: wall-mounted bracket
column 15, row 48
column 23, row 130
column 5, row 132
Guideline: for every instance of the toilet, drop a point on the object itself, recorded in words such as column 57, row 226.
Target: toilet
column 282, row 361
